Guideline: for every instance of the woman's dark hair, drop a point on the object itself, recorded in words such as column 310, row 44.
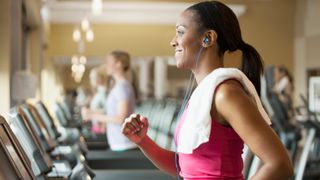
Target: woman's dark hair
column 220, row 18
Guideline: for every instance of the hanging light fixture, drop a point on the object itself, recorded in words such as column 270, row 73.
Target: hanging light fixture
column 78, row 67
column 89, row 35
column 74, row 59
column 76, row 35
column 85, row 24
column 83, row 60
column 96, row 7
column 78, row 63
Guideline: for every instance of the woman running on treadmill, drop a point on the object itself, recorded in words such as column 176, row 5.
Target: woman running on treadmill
column 211, row 149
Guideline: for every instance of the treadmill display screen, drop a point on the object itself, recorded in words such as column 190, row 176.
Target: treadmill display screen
column 12, row 151
column 46, row 120
column 31, row 119
column 40, row 125
column 26, row 141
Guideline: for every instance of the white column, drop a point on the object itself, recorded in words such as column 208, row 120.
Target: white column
column 160, row 77
column 300, row 77
column 144, row 76
column 300, row 51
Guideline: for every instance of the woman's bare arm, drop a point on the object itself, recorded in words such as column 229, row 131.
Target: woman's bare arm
column 135, row 128
column 123, row 110
column 241, row 113
column 162, row 158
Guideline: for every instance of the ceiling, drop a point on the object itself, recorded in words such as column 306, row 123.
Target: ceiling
column 121, row 12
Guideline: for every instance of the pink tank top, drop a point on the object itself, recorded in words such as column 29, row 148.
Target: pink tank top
column 219, row 158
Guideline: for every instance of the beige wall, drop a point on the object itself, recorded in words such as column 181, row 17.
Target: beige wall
column 139, row 40
column 4, row 57
column 269, row 26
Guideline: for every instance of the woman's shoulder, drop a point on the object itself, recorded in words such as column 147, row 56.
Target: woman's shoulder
column 123, row 89
column 124, row 84
column 229, row 90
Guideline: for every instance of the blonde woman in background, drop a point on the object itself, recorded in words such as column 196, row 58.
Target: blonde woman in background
column 120, row 102
column 99, row 83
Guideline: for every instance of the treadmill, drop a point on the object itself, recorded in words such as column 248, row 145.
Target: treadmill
column 41, row 164
column 14, row 163
column 50, row 145
column 122, row 166
column 69, row 136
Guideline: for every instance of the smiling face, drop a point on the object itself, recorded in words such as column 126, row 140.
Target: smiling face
column 187, row 41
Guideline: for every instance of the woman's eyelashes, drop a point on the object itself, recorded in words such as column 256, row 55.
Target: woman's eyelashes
column 180, row 32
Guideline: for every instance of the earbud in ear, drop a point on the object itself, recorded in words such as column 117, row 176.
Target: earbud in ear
column 206, row 40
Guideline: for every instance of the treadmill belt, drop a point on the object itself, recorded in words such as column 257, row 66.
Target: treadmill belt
column 108, row 154
column 107, row 159
column 131, row 174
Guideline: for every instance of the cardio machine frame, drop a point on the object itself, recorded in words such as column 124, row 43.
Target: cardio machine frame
column 14, row 152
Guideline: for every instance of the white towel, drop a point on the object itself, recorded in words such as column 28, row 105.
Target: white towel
column 197, row 126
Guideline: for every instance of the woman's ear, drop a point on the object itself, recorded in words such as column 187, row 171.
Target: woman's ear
column 210, row 38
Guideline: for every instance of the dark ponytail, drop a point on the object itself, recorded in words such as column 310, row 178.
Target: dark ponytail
column 220, row 18
column 252, row 65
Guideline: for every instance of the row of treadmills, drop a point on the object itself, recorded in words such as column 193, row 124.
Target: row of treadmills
column 36, row 145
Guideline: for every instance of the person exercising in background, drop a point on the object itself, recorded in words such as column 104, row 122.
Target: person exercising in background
column 204, row 32
column 99, row 84
column 120, row 102
column 283, row 87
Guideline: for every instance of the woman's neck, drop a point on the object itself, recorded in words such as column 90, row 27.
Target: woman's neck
column 207, row 65
column 119, row 77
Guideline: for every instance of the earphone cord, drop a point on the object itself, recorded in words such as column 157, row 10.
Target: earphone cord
column 183, row 105
column 190, row 86
column 198, row 56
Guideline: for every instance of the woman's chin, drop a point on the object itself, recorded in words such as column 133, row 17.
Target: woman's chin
column 181, row 66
